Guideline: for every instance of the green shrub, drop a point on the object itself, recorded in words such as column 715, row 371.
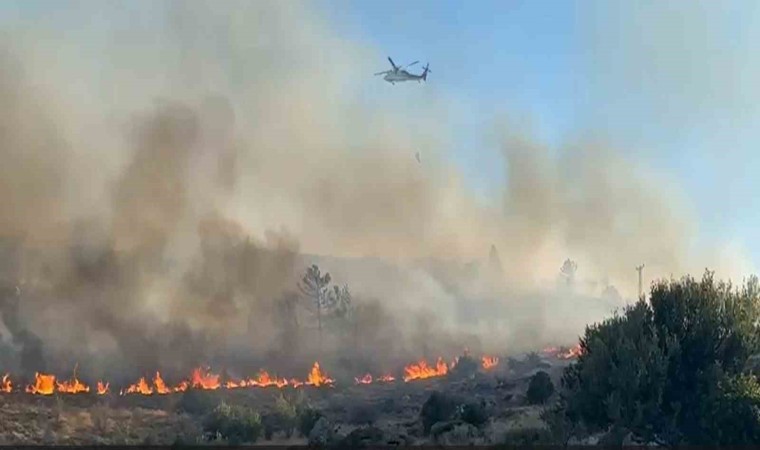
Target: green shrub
column 236, row 424
column 196, row 402
column 307, row 417
column 362, row 414
column 526, row 437
column 438, row 407
column 540, row 388
column 670, row 370
column 474, row 413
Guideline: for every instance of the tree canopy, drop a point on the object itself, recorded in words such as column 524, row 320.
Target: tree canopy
column 672, row 370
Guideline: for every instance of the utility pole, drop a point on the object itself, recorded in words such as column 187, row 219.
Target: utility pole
column 641, row 293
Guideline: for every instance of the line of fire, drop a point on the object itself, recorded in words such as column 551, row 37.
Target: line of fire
column 203, row 378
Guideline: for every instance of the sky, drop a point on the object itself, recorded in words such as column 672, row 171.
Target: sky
column 670, row 82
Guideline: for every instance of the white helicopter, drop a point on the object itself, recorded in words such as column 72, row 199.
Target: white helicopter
column 399, row 74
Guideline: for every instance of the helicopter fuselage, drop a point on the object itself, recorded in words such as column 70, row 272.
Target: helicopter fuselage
column 401, row 75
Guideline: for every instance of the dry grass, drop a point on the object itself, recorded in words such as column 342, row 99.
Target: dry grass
column 56, row 422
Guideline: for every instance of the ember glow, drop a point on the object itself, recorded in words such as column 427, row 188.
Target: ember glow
column 103, row 388
column 421, row 370
column 563, row 352
column 366, row 379
column 369, row 379
column 488, row 362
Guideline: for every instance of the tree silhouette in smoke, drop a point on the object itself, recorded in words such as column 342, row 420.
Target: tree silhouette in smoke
column 568, row 270
column 315, row 286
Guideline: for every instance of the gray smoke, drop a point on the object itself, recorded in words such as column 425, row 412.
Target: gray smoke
column 167, row 193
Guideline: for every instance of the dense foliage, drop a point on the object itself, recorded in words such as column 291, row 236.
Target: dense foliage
column 438, row 407
column 540, row 388
column 672, row 370
column 237, row 424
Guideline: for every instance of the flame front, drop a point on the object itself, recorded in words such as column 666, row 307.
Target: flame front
column 73, row 386
column 44, row 384
column 266, row 380
column 205, row 379
column 317, row 378
column 421, row 370
column 6, row 385
column 141, row 387
column 161, row 388
column 488, row 362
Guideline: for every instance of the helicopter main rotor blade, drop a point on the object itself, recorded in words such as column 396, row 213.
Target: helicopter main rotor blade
column 380, row 73
column 409, row 65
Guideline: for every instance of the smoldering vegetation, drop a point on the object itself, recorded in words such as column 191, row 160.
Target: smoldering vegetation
column 162, row 217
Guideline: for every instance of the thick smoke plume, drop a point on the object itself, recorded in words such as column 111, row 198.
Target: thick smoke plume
column 161, row 199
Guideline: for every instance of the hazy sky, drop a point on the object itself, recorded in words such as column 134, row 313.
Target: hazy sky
column 674, row 82
column 671, row 83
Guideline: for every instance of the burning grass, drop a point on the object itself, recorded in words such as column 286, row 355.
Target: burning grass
column 203, row 378
column 178, row 412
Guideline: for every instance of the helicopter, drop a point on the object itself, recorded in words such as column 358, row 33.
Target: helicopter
column 398, row 73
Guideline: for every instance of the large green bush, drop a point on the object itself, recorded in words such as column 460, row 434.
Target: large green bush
column 540, row 388
column 438, row 407
column 671, row 370
column 236, row 424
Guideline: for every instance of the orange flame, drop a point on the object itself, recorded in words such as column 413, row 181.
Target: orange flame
column 205, row 379
column 421, row 370
column 317, row 378
column 6, row 385
column 73, row 386
column 266, row 380
column 564, row 353
column 366, row 379
column 43, row 384
column 141, row 387
column 160, row 385
column 102, row 388
column 387, row 378
column 489, row 362
column 572, row 352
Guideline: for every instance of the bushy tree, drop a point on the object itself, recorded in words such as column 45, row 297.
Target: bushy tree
column 540, row 388
column 670, row 369
column 437, row 408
